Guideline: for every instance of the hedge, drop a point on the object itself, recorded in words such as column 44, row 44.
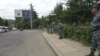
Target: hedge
column 81, row 34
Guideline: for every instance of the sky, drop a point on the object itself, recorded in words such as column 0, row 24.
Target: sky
column 42, row 7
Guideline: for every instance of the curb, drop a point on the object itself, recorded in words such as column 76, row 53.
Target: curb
column 52, row 46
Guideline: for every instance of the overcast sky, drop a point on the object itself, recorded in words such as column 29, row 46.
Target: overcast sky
column 43, row 7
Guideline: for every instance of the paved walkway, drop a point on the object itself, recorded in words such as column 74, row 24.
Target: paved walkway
column 67, row 47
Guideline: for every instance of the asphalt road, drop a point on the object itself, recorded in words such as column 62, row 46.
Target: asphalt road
column 25, row 43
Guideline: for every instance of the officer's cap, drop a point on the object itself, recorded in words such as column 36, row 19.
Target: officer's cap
column 97, row 5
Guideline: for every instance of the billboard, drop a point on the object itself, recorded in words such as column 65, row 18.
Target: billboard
column 18, row 13
column 26, row 13
column 22, row 13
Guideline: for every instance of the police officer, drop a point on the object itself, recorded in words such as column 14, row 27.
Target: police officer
column 60, row 27
column 96, row 29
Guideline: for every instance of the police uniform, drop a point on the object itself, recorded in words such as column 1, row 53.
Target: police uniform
column 95, row 23
column 60, row 29
column 96, row 32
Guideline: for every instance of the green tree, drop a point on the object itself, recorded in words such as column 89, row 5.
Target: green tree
column 1, row 22
column 34, row 13
column 58, row 10
column 18, row 22
column 56, row 13
column 6, row 22
column 79, row 11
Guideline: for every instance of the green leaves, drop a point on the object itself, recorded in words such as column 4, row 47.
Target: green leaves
column 58, row 9
column 79, row 9
column 1, row 22
column 82, row 34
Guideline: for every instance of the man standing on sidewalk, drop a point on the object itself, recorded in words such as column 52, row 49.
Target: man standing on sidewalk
column 96, row 29
column 60, row 27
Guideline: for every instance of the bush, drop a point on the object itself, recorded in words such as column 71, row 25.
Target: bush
column 82, row 34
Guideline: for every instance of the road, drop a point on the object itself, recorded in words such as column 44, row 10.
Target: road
column 25, row 43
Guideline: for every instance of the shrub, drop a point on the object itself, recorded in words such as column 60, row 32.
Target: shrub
column 82, row 34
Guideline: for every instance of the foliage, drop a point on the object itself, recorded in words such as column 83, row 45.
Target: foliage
column 82, row 33
column 18, row 22
column 55, row 14
column 78, row 11
column 34, row 13
column 1, row 22
column 58, row 10
column 5, row 22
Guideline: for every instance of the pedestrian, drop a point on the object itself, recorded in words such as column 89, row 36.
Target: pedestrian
column 96, row 30
column 48, row 28
column 60, row 29
column 51, row 27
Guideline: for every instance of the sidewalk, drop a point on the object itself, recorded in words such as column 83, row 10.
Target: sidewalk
column 66, row 47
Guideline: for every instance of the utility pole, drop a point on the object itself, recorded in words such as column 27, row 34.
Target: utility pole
column 31, row 22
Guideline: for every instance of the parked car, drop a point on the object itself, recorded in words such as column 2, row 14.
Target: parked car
column 2, row 29
column 6, row 29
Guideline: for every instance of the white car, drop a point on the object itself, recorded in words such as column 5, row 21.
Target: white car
column 6, row 29
column 1, row 30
